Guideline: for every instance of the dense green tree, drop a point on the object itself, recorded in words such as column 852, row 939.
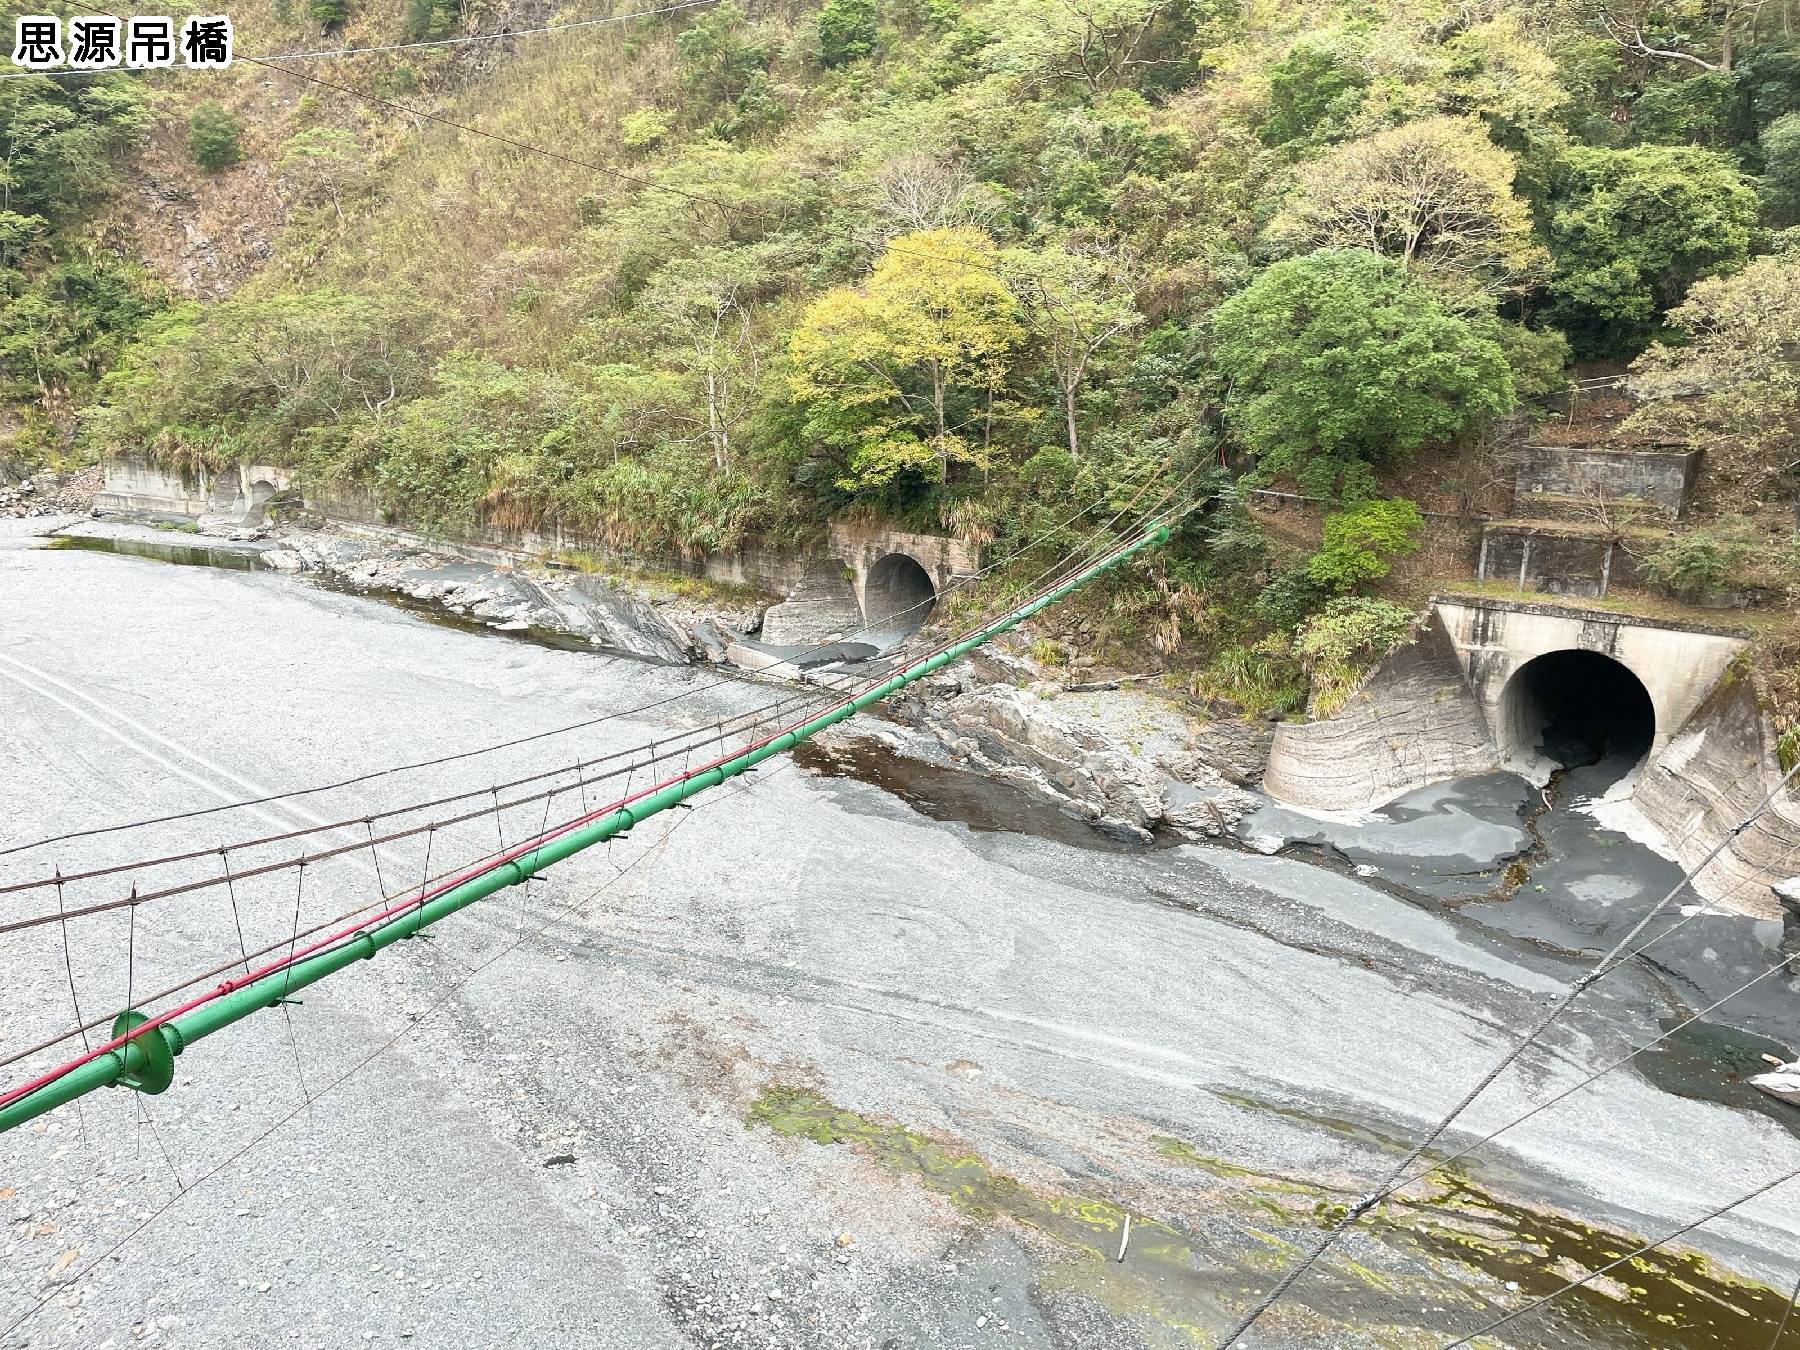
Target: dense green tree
column 18, row 233
column 1316, row 89
column 1339, row 360
column 1631, row 230
column 721, row 56
column 59, row 139
column 1092, row 151
column 846, row 30
column 1780, row 184
column 430, row 19
column 67, row 325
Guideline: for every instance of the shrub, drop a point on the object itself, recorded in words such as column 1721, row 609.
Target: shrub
column 1260, row 678
column 1702, row 562
column 643, row 128
column 1289, row 597
column 1361, row 543
column 1339, row 643
column 213, row 137
column 846, row 30
column 327, row 13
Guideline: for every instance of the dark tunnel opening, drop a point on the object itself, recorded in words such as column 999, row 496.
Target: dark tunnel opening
column 898, row 596
column 1578, row 708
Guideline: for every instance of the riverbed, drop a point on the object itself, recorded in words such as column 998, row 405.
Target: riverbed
column 857, row 1052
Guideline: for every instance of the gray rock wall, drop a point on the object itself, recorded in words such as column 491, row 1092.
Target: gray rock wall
column 820, row 608
column 1715, row 770
column 1413, row 721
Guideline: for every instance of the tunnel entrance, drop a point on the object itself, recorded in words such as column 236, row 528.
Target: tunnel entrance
column 898, row 596
column 1578, row 708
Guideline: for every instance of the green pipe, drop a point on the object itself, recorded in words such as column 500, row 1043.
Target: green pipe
column 147, row 1062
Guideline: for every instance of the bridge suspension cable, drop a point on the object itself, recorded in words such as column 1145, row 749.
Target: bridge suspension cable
column 445, row 996
column 142, row 1049
column 1071, row 561
column 1083, row 548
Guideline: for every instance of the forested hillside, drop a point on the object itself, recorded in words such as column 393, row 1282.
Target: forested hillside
column 719, row 275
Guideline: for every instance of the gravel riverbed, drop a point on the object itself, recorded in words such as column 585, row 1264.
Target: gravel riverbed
column 815, row 1063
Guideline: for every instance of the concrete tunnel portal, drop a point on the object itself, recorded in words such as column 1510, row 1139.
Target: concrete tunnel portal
column 898, row 596
column 1577, row 708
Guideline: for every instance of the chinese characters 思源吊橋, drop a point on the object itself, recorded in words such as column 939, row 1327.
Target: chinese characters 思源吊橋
column 144, row 42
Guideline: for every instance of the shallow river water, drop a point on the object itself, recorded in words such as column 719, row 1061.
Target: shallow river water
column 857, row 1052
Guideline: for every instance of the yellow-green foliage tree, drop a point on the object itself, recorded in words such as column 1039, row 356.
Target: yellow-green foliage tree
column 894, row 371
column 1733, row 384
column 1436, row 196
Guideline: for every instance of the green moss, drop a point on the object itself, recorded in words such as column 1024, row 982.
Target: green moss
column 1444, row 1257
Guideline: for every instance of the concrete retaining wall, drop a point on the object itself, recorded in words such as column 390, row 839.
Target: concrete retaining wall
column 1414, row 721
column 1552, row 478
column 144, row 488
column 825, row 601
column 1555, row 562
column 239, row 493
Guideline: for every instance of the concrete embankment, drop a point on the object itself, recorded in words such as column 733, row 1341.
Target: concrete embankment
column 1484, row 685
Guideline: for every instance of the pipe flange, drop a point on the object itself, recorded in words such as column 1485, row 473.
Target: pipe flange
column 149, row 1063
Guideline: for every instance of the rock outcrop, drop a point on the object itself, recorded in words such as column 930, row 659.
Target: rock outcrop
column 568, row 603
column 1122, row 759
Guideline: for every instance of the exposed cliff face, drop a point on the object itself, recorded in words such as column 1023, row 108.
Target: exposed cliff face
column 202, row 234
column 570, row 604
column 1716, row 770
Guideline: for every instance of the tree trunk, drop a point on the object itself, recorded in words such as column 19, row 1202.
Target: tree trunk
column 1069, row 419
column 715, row 431
column 937, row 403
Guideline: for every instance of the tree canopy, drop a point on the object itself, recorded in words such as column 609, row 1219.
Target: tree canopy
column 1340, row 360
column 896, row 370
column 1632, row 229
